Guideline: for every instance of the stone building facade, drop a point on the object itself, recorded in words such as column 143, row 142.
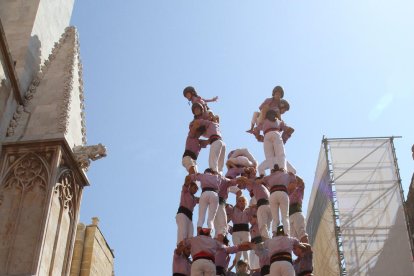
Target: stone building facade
column 43, row 151
column 409, row 204
column 92, row 255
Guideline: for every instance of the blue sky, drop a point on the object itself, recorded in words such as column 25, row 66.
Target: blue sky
column 346, row 66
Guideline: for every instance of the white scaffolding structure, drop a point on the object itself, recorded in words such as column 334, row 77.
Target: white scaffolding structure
column 356, row 220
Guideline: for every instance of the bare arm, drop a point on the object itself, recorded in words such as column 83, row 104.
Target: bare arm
column 211, row 100
column 180, row 247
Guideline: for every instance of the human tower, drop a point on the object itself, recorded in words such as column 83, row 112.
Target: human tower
column 275, row 198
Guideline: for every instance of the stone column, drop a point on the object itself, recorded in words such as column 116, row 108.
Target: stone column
column 40, row 192
column 78, row 250
column 409, row 204
column 32, row 27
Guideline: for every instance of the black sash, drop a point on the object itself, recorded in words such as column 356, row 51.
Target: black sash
column 220, row 271
column 262, row 201
column 265, row 270
column 191, row 154
column 306, row 272
column 178, row 274
column 295, row 208
column 240, row 227
column 185, row 211
column 280, row 188
column 222, row 200
column 208, row 189
column 281, row 256
column 257, row 239
column 213, row 138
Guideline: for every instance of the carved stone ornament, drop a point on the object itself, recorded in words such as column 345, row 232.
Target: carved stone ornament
column 84, row 154
column 27, row 173
column 68, row 86
column 66, row 188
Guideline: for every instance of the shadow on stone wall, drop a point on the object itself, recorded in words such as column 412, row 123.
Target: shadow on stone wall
column 32, row 64
column 395, row 258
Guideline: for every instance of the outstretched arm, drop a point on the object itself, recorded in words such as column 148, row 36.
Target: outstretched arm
column 180, row 247
column 211, row 100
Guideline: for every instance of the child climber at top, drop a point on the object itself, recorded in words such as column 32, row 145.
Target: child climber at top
column 191, row 94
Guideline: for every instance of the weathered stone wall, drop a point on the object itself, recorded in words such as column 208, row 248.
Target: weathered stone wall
column 7, row 101
column 32, row 28
column 40, row 192
column 409, row 204
column 92, row 255
column 41, row 174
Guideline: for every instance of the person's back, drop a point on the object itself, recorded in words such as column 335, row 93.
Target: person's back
column 203, row 251
column 280, row 252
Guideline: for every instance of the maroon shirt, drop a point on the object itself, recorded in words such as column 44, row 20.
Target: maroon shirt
column 212, row 128
column 193, row 144
column 181, row 264
column 203, row 244
column 198, row 99
column 272, row 103
column 187, row 200
column 210, row 180
column 241, row 216
column 267, row 124
column 224, row 189
column 305, row 263
column 260, row 191
column 280, row 244
column 278, row 178
column 234, row 172
column 297, row 195
column 222, row 255
column 263, row 254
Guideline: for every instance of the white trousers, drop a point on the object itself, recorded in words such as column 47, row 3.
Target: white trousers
column 268, row 164
column 280, row 201
column 274, row 149
column 264, row 218
column 208, row 199
column 281, row 268
column 185, row 228
column 203, row 267
column 220, row 221
column 216, row 157
column 241, row 161
column 297, row 225
column 188, row 162
column 238, row 238
column 254, row 260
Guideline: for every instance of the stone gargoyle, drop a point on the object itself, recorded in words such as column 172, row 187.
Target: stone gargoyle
column 84, row 154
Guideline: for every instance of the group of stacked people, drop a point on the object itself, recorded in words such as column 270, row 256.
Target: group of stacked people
column 254, row 227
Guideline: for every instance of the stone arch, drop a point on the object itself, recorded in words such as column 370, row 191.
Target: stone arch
column 25, row 172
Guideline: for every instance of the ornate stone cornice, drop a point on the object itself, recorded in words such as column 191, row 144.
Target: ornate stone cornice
column 81, row 92
column 63, row 119
column 69, row 158
column 73, row 62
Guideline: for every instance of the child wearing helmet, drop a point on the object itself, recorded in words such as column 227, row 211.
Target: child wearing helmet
column 191, row 95
column 276, row 103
